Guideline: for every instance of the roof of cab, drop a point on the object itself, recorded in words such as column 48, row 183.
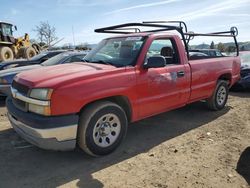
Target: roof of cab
column 5, row 22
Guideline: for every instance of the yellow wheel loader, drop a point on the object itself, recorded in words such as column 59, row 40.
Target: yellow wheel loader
column 11, row 47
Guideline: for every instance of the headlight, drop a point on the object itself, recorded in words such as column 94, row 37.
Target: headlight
column 43, row 110
column 41, row 94
column 3, row 81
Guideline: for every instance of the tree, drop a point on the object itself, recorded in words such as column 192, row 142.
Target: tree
column 221, row 47
column 231, row 49
column 242, row 48
column 46, row 33
column 212, row 45
column 83, row 46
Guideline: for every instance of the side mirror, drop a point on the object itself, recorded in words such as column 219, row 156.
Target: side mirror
column 15, row 27
column 155, row 62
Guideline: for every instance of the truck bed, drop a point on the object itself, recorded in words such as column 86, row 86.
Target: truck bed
column 205, row 73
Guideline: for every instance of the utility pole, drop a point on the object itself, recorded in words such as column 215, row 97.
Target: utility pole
column 73, row 36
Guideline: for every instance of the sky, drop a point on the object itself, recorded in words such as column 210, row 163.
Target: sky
column 81, row 17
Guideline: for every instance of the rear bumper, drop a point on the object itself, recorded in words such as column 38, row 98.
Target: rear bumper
column 5, row 90
column 53, row 133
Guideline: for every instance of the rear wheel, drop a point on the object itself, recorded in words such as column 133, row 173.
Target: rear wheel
column 29, row 52
column 6, row 54
column 219, row 98
column 102, row 127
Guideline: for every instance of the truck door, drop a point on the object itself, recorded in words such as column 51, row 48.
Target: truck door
column 164, row 88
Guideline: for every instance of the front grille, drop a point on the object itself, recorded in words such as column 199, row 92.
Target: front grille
column 23, row 90
column 20, row 87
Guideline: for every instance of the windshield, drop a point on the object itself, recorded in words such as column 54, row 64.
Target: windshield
column 119, row 52
column 39, row 56
column 6, row 30
column 56, row 59
column 245, row 58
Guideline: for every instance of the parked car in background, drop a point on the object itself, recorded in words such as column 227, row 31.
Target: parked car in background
column 209, row 52
column 34, row 60
column 6, row 76
column 244, row 82
column 197, row 55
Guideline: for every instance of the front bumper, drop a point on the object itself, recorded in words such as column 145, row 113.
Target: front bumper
column 53, row 133
column 5, row 90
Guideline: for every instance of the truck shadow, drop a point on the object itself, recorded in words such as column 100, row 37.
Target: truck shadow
column 33, row 167
column 2, row 101
column 243, row 165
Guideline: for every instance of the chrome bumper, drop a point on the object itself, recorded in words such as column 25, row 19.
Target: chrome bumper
column 60, row 138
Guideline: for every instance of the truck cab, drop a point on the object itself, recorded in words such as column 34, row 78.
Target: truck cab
column 6, row 32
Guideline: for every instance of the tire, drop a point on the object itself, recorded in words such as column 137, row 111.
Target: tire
column 102, row 127
column 6, row 54
column 29, row 52
column 219, row 98
column 36, row 47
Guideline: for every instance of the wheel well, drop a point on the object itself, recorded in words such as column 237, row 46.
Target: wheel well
column 226, row 77
column 122, row 101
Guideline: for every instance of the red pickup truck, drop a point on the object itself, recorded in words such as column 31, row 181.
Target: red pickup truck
column 124, row 79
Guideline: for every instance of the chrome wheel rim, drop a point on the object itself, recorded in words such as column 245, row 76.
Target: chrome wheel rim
column 221, row 95
column 106, row 130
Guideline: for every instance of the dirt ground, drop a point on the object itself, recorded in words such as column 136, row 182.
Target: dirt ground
column 188, row 147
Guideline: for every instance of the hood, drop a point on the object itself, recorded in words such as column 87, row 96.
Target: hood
column 17, row 70
column 53, row 76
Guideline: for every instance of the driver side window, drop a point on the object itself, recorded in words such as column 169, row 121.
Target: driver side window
column 165, row 48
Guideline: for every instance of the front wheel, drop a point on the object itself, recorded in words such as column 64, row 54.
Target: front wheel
column 6, row 54
column 102, row 127
column 219, row 98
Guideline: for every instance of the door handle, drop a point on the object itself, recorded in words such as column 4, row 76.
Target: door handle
column 180, row 73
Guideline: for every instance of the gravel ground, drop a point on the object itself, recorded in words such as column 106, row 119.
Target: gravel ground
column 188, row 147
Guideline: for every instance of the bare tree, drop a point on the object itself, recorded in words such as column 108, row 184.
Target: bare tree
column 45, row 33
column 221, row 47
column 83, row 46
